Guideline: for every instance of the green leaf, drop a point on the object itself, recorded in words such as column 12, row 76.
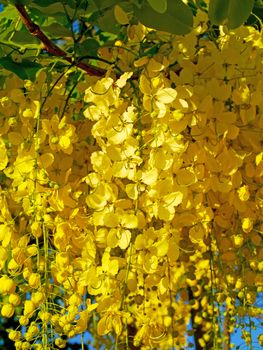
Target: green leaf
column 25, row 40
column 178, row 19
column 218, row 11
column 159, row 6
column 2, row 81
column 232, row 12
column 88, row 47
column 255, row 18
column 55, row 9
column 25, row 69
column 9, row 12
column 46, row 2
column 19, row 2
column 103, row 4
column 71, row 3
column 152, row 51
column 56, row 30
column 107, row 22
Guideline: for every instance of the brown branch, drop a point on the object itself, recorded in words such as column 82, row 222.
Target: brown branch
column 131, row 334
column 226, row 344
column 198, row 329
column 51, row 47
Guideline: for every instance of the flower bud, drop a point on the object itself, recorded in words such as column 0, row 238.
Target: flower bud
column 7, row 310
column 34, row 280
column 14, row 299
column 23, row 320
column 7, row 285
column 37, row 298
column 14, row 335
column 29, row 308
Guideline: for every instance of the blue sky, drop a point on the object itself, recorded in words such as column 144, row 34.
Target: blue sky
column 236, row 336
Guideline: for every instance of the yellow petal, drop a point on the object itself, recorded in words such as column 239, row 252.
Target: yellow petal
column 125, row 239
column 111, row 220
column 141, row 61
column 129, row 221
column 121, row 82
column 120, row 15
column 173, row 251
column 185, row 177
column 162, row 248
column 3, row 155
column 173, row 199
column 197, row 233
column 15, row 138
column 7, row 310
column 243, row 193
column 150, row 177
column 132, row 191
column 247, row 225
column 46, row 160
column 166, row 95
column 113, row 267
column 259, row 158
column 113, row 238
column 154, row 66
column 64, row 142
column 95, row 201
column 145, row 85
column 104, row 325
column 5, row 235
column 165, row 213
column 117, row 325
column 3, row 256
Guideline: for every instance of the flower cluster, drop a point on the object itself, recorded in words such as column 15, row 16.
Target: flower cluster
column 139, row 204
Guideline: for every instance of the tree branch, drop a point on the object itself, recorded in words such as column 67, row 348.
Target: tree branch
column 226, row 343
column 131, row 334
column 51, row 47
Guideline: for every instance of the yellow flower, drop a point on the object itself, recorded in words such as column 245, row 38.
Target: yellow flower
column 247, row 225
column 14, row 335
column 34, row 280
column 7, row 285
column 44, row 316
column 37, row 298
column 29, row 308
column 14, row 299
column 36, row 229
column 61, row 134
column 32, row 331
column 61, row 343
column 3, row 155
column 112, row 320
column 7, row 310
column 243, row 193
column 5, row 234
column 3, row 256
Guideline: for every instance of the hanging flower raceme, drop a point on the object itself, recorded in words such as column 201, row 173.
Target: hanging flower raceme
column 139, row 206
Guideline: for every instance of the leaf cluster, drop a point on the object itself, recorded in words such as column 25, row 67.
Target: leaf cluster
column 80, row 28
